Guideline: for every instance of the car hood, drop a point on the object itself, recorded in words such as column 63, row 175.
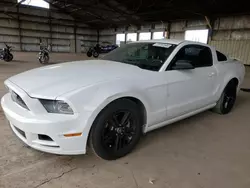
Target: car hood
column 55, row 80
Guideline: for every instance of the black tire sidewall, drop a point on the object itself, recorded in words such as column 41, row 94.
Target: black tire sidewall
column 8, row 58
column 45, row 59
column 89, row 54
column 97, row 128
column 96, row 54
column 233, row 88
column 11, row 57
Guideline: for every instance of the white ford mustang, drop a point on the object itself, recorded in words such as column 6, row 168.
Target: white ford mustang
column 109, row 102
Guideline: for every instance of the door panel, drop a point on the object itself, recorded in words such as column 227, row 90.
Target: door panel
column 189, row 90
column 192, row 89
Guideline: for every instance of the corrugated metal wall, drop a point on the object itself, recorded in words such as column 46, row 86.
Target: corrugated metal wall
column 25, row 28
column 232, row 36
column 239, row 49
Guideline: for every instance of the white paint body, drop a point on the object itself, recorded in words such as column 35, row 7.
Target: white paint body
column 89, row 86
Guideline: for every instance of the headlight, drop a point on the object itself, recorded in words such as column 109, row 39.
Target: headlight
column 59, row 107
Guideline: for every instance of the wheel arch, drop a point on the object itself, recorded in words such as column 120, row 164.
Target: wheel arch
column 232, row 79
column 142, row 105
column 229, row 88
column 235, row 81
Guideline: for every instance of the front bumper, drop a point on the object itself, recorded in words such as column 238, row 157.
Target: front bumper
column 34, row 129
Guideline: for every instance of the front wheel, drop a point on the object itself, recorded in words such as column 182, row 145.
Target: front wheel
column 227, row 99
column 116, row 130
column 8, row 58
column 44, row 59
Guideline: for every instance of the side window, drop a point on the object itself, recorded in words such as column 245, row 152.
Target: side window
column 197, row 55
column 221, row 56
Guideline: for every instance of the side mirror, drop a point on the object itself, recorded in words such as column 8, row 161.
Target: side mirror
column 183, row 65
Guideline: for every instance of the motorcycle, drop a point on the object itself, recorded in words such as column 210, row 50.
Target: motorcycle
column 5, row 53
column 93, row 51
column 98, row 49
column 43, row 55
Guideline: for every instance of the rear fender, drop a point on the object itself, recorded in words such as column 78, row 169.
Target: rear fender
column 224, row 85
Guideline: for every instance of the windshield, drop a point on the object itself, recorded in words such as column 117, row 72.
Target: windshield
column 146, row 55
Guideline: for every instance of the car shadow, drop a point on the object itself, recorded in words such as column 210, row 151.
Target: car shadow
column 181, row 126
column 241, row 99
column 168, row 130
column 19, row 61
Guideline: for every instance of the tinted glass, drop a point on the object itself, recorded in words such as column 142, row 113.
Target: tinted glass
column 221, row 56
column 198, row 56
column 150, row 56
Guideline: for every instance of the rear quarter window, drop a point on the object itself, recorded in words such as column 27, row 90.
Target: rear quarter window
column 221, row 56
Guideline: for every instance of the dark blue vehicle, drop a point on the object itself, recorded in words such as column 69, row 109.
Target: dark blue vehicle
column 99, row 49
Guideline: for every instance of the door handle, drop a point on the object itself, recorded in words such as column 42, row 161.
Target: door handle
column 211, row 74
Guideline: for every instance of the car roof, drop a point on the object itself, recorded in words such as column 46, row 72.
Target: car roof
column 169, row 41
column 172, row 41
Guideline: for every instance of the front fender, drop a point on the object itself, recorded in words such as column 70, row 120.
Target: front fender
column 90, row 101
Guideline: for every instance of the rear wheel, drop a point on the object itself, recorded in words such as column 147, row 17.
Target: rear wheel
column 117, row 130
column 10, row 57
column 95, row 54
column 227, row 99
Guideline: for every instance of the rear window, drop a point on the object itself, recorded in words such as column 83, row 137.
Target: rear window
column 221, row 56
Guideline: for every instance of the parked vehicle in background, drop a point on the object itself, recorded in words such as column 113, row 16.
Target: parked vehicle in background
column 43, row 55
column 105, row 47
column 110, row 102
column 5, row 53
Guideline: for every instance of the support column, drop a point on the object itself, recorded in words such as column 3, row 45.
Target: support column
column 126, row 32
column 98, row 36
column 75, row 36
column 50, row 31
column 19, row 29
column 151, row 30
column 138, row 33
column 168, row 30
column 210, row 24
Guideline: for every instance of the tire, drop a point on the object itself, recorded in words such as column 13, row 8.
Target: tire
column 89, row 54
column 227, row 99
column 9, row 58
column 116, row 130
column 95, row 54
column 44, row 59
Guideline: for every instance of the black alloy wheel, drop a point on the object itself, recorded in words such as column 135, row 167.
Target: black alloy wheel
column 116, row 130
column 119, row 131
column 227, row 99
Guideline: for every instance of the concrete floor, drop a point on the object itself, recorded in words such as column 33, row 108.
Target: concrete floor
column 205, row 151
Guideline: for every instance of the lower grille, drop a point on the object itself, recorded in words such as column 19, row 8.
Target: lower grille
column 21, row 132
column 44, row 137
